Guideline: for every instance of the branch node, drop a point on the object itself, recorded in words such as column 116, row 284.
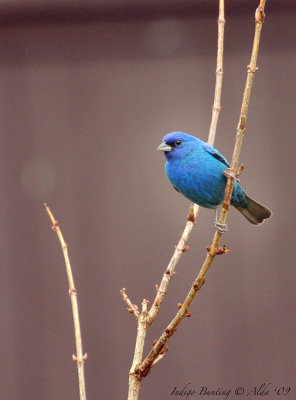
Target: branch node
column 200, row 282
column 220, row 250
column 142, row 371
column 185, row 248
column 251, row 69
column 179, row 305
column 188, row 314
column 242, row 124
column 78, row 360
column 259, row 15
column 190, row 216
column 73, row 292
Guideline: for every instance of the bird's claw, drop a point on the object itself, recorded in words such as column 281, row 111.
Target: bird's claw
column 229, row 173
column 221, row 228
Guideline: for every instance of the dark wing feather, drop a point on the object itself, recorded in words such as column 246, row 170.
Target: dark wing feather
column 215, row 153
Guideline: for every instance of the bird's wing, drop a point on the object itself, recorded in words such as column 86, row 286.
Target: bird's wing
column 215, row 153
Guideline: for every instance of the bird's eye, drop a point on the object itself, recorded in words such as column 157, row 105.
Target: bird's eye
column 177, row 142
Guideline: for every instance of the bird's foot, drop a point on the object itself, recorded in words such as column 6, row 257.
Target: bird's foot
column 221, row 228
column 230, row 173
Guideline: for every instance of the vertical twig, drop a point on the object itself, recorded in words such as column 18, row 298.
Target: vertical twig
column 79, row 358
column 144, row 368
column 219, row 75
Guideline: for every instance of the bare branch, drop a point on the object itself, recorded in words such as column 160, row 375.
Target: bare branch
column 169, row 272
column 79, row 358
column 132, row 308
column 219, row 75
column 136, row 373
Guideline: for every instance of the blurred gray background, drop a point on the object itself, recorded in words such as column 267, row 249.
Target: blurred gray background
column 88, row 90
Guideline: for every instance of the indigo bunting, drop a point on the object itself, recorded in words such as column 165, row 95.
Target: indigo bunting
column 197, row 170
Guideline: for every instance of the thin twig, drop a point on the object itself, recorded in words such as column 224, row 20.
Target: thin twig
column 79, row 358
column 144, row 367
column 144, row 319
column 219, row 75
column 132, row 308
column 181, row 248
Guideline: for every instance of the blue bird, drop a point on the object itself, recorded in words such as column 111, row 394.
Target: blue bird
column 196, row 169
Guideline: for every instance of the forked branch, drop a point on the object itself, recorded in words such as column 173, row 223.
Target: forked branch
column 145, row 366
column 140, row 369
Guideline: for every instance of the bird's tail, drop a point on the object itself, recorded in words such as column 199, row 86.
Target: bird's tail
column 255, row 213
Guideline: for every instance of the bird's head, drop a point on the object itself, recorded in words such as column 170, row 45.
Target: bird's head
column 177, row 145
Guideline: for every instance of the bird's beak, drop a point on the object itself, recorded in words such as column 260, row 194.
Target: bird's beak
column 164, row 147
